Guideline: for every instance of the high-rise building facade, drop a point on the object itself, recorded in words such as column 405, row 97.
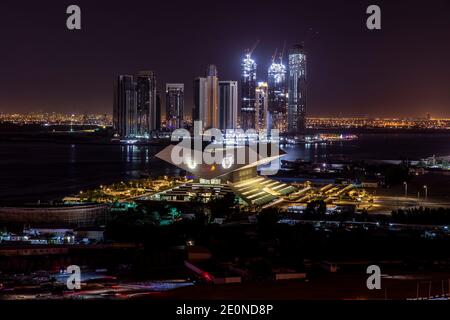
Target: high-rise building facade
column 248, row 93
column 228, row 104
column 297, row 91
column 174, row 105
column 158, row 111
column 262, row 104
column 147, row 119
column 199, row 99
column 277, row 96
column 125, row 110
column 206, row 99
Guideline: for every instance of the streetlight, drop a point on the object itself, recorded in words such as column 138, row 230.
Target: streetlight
column 406, row 189
column 426, row 192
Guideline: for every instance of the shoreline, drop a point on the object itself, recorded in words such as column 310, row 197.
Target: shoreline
column 102, row 138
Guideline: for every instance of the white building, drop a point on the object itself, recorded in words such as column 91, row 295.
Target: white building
column 228, row 104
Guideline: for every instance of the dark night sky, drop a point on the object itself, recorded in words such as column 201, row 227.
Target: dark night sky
column 402, row 70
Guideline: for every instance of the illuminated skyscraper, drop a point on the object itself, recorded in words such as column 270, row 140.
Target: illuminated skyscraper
column 277, row 96
column 262, row 103
column 248, row 93
column 174, row 105
column 147, row 119
column 297, row 91
column 228, row 104
column 125, row 111
column 206, row 99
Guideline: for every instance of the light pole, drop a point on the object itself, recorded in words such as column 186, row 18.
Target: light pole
column 426, row 192
column 405, row 184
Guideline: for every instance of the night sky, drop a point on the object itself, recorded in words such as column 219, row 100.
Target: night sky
column 402, row 70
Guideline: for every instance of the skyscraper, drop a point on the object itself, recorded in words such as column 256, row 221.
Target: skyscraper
column 206, row 99
column 158, row 112
column 125, row 111
column 146, row 103
column 277, row 96
column 262, row 103
column 199, row 99
column 174, row 105
column 228, row 104
column 297, row 91
column 248, row 87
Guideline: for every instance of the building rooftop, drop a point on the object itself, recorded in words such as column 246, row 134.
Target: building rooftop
column 234, row 158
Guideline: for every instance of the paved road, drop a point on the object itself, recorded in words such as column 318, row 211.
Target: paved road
column 385, row 204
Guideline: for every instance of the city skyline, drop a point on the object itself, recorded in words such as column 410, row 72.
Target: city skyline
column 263, row 105
column 404, row 62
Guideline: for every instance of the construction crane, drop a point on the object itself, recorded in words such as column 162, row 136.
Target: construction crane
column 274, row 55
column 249, row 52
column 282, row 52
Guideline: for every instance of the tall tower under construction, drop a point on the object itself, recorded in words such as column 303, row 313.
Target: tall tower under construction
column 297, row 91
column 248, row 91
column 277, row 95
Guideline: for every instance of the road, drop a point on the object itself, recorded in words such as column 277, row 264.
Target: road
column 385, row 204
